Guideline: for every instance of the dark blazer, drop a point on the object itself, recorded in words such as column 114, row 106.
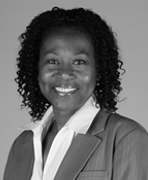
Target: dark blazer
column 114, row 148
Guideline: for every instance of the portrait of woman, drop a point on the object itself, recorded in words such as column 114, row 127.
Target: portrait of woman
column 69, row 75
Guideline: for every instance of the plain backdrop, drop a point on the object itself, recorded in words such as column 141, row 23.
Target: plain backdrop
column 128, row 18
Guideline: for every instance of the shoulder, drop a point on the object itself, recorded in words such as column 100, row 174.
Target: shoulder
column 23, row 138
column 122, row 123
column 122, row 127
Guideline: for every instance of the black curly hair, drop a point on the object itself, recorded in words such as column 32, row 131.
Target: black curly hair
column 106, row 54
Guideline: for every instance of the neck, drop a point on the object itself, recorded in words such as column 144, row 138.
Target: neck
column 61, row 117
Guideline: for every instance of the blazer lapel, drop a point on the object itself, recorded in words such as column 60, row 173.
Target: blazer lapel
column 81, row 149
column 78, row 154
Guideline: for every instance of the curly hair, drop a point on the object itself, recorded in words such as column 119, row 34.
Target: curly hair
column 106, row 54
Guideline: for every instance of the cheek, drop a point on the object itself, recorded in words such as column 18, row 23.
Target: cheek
column 90, row 79
column 44, row 82
column 87, row 78
column 44, row 77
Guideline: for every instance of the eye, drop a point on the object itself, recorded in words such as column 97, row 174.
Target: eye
column 52, row 61
column 79, row 62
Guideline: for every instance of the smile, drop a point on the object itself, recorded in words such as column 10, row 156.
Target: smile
column 64, row 91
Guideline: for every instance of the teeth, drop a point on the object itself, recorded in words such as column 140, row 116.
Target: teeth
column 60, row 89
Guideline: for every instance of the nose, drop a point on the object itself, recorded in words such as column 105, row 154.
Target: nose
column 65, row 74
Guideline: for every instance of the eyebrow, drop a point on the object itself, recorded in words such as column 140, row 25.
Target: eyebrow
column 51, row 51
column 81, row 52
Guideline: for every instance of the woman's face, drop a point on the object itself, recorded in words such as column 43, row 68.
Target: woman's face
column 67, row 74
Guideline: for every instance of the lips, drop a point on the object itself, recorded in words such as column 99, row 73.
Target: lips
column 64, row 91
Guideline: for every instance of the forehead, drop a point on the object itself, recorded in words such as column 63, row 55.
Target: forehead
column 69, row 38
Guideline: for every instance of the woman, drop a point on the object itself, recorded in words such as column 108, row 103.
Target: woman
column 69, row 76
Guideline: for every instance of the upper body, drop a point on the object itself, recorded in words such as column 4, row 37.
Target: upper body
column 114, row 148
column 68, row 57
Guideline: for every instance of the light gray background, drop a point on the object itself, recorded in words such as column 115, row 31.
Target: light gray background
column 129, row 19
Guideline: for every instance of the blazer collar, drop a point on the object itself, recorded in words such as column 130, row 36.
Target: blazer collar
column 99, row 123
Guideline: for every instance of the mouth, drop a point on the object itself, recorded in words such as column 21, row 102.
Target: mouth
column 64, row 91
